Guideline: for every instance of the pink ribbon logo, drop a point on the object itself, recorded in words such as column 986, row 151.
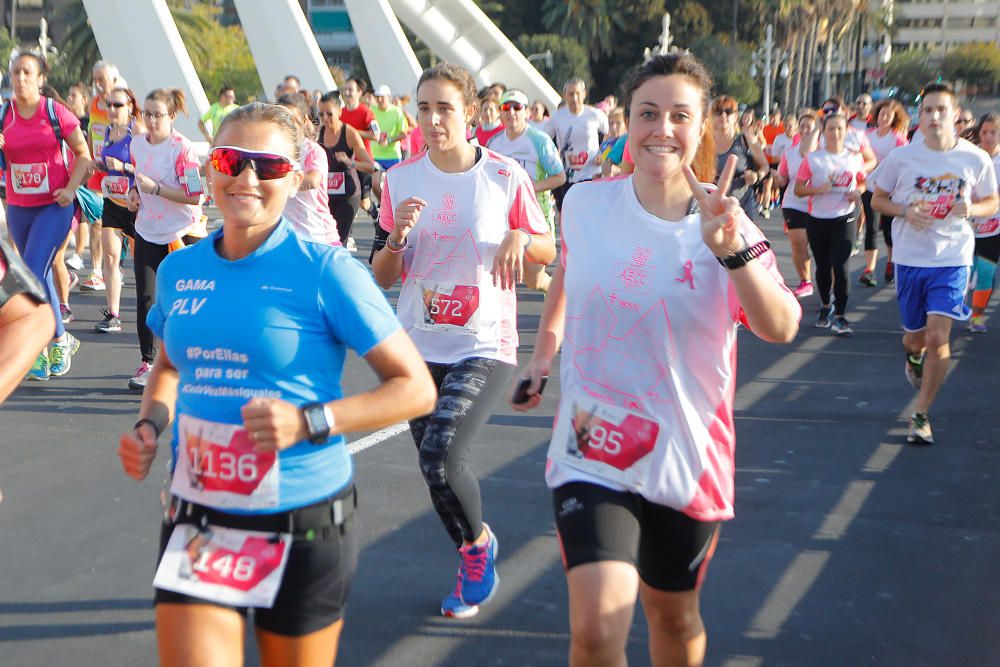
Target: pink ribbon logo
column 688, row 274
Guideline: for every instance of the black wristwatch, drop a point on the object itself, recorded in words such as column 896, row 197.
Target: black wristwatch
column 319, row 422
column 736, row 260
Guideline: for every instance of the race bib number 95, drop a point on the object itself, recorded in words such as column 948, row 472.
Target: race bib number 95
column 602, row 439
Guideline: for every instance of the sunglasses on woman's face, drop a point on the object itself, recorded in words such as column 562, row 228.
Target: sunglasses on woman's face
column 511, row 106
column 232, row 160
column 727, row 112
column 115, row 105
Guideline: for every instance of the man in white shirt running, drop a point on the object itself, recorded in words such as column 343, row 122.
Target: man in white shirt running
column 578, row 130
column 932, row 187
column 533, row 150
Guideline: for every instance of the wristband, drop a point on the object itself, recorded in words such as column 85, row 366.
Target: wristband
column 394, row 248
column 531, row 238
column 741, row 258
column 157, row 190
column 147, row 421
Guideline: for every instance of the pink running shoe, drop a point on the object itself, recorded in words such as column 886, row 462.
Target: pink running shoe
column 804, row 289
column 138, row 380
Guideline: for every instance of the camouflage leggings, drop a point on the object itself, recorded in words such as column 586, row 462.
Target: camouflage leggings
column 467, row 393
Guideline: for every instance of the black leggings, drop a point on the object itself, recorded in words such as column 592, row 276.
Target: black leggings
column 344, row 209
column 831, row 241
column 147, row 257
column 467, row 393
column 870, row 231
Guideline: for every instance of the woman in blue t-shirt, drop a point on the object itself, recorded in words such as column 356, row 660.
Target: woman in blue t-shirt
column 255, row 323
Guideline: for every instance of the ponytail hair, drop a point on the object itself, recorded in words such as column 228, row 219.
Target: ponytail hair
column 173, row 98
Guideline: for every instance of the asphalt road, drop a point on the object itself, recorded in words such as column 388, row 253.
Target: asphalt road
column 849, row 547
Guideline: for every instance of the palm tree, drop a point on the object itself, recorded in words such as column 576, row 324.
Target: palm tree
column 589, row 21
column 78, row 51
column 790, row 20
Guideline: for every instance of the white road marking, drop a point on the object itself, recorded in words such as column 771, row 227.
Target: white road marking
column 377, row 437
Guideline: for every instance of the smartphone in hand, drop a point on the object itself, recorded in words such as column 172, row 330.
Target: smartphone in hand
column 521, row 391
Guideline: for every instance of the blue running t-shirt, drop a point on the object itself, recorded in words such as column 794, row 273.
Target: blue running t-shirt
column 274, row 324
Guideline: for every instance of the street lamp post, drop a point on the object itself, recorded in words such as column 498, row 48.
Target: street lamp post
column 545, row 55
column 765, row 56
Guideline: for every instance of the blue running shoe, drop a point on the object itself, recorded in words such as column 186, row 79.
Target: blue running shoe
column 453, row 607
column 477, row 572
column 61, row 355
column 40, row 370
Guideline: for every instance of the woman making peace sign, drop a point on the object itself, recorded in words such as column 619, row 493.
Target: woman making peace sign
column 641, row 458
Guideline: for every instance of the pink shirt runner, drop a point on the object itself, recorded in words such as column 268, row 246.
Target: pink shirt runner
column 35, row 166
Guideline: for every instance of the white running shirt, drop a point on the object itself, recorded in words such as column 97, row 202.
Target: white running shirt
column 576, row 137
column 986, row 227
column 844, row 169
column 448, row 303
column 650, row 350
column 916, row 173
column 789, row 168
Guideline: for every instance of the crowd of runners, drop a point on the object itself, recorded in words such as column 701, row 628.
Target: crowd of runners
column 635, row 218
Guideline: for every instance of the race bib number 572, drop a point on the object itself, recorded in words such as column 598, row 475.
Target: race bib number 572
column 449, row 307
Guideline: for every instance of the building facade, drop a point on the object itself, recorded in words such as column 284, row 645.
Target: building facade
column 332, row 26
column 940, row 25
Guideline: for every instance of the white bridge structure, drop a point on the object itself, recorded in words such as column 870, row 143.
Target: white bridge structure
column 140, row 37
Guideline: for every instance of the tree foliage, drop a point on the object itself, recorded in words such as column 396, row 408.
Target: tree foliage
column 690, row 22
column 592, row 22
column 640, row 28
column 568, row 58
column 909, row 70
column 730, row 68
column 219, row 54
column 975, row 63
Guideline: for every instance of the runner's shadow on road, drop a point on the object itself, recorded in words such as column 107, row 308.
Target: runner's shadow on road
column 63, row 631
column 118, row 604
column 41, row 631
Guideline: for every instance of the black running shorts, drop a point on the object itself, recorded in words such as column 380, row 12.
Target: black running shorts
column 118, row 217
column 670, row 550
column 313, row 593
column 794, row 218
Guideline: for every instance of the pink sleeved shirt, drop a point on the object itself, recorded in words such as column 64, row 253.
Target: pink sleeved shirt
column 161, row 220
column 35, row 166
column 309, row 210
